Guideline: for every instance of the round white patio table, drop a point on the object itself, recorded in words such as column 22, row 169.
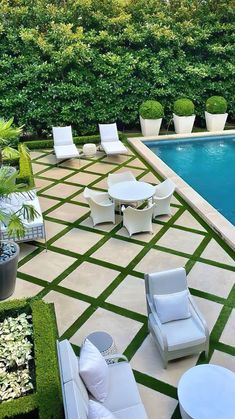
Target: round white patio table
column 131, row 191
column 207, row 392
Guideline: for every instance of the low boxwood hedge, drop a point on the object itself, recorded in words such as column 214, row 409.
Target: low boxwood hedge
column 46, row 401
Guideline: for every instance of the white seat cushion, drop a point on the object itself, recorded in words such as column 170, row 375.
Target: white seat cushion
column 114, row 147
column 66, row 151
column 173, row 306
column 134, row 412
column 98, row 411
column 123, row 391
column 74, row 405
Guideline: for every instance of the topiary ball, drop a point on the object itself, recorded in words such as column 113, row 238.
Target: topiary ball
column 216, row 105
column 151, row 109
column 183, row 107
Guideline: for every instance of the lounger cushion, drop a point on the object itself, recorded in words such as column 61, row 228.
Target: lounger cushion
column 98, row 411
column 66, row 151
column 114, row 147
column 171, row 307
column 74, row 405
column 94, row 371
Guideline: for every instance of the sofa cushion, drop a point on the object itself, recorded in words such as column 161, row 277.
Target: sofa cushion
column 69, row 366
column 98, row 411
column 123, row 391
column 171, row 307
column 74, row 405
column 133, row 412
column 94, row 371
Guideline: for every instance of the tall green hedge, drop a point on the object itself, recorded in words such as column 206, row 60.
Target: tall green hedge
column 83, row 61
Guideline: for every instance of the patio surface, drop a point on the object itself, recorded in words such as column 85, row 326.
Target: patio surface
column 94, row 276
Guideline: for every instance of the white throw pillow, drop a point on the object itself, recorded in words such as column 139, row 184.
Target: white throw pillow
column 170, row 307
column 98, row 411
column 94, row 371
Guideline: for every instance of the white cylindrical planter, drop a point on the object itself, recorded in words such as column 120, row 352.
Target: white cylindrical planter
column 150, row 126
column 183, row 124
column 215, row 122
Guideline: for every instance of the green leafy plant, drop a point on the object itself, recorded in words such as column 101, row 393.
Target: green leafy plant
column 183, row 107
column 151, row 109
column 9, row 153
column 216, row 105
column 8, row 133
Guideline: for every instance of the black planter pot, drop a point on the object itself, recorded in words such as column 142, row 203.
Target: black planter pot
column 8, row 272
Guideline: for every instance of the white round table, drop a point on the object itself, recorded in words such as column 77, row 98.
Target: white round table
column 207, row 392
column 131, row 191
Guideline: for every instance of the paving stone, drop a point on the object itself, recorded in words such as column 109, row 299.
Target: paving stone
column 119, row 159
column 47, row 265
column 228, row 335
column 47, row 203
column 48, row 159
column 223, row 359
column 82, row 178
column 62, row 190
column 26, row 249
column 80, row 198
column 68, row 309
column 214, row 251
column 25, row 289
column 78, row 241
column 136, row 172
column 89, row 279
column 42, row 183
column 211, row 279
column 38, row 168
column 122, row 329
column 117, row 252
column 57, row 173
column 130, row 294
column 36, row 154
column 75, row 164
column 52, row 229
column 137, row 163
column 180, row 240
column 156, row 403
column 69, row 212
column 102, row 184
column 164, row 218
column 101, row 168
column 209, row 309
column 187, row 220
column 150, row 178
column 145, row 237
column 156, row 261
column 103, row 226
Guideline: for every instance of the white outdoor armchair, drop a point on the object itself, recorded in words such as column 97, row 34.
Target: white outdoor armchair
column 162, row 197
column 110, row 140
column 138, row 220
column 114, row 178
column 102, row 209
column 176, row 338
column 64, row 146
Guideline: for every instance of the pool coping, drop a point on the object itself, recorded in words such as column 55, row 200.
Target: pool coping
column 213, row 218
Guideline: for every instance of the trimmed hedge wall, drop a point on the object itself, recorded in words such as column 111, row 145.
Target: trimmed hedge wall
column 46, row 402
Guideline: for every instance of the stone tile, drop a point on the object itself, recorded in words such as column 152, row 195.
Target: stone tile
column 89, row 279
column 37, row 168
column 117, row 252
column 215, row 252
column 122, row 329
column 25, row 289
column 228, row 335
column 48, row 159
column 135, row 172
column 69, row 212
column 164, row 218
column 130, row 294
column 211, row 279
column 209, row 309
column 175, row 201
column 36, row 154
column 150, row 178
column 42, row 183
column 187, row 220
column 52, row 229
column 103, row 226
column 83, row 178
column 47, row 265
column 102, row 184
column 26, row 249
column 62, row 190
column 180, row 240
column 156, row 261
column 145, row 237
column 57, row 173
column 155, row 402
column 75, row 163
column 148, row 361
column 46, row 203
column 136, row 163
column 68, row 309
column 223, row 359
column 80, row 198
column 119, row 159
column 101, row 168
column 78, row 241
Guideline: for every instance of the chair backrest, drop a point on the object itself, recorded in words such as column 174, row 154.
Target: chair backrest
column 165, row 188
column 74, row 392
column 90, row 193
column 135, row 213
column 62, row 135
column 166, row 282
column 108, row 132
column 114, row 178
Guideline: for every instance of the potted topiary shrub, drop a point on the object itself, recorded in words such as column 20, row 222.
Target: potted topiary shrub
column 151, row 114
column 183, row 115
column 215, row 113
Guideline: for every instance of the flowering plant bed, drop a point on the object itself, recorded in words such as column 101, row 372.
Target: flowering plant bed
column 29, row 377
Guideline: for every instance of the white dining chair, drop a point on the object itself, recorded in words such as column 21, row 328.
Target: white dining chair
column 162, row 197
column 64, row 146
column 138, row 220
column 114, row 178
column 110, row 142
column 102, row 208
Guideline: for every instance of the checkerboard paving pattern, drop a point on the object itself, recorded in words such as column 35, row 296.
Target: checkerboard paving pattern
column 95, row 275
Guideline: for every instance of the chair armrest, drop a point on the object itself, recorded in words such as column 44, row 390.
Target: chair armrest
column 199, row 315
column 158, row 323
column 161, row 198
column 116, row 356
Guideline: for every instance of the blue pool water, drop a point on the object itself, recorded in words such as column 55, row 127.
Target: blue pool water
column 205, row 163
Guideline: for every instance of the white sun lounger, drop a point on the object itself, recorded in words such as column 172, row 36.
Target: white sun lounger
column 64, row 146
column 110, row 140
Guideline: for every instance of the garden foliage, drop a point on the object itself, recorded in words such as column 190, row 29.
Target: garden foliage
column 83, row 61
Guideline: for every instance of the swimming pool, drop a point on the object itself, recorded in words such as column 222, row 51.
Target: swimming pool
column 205, row 163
